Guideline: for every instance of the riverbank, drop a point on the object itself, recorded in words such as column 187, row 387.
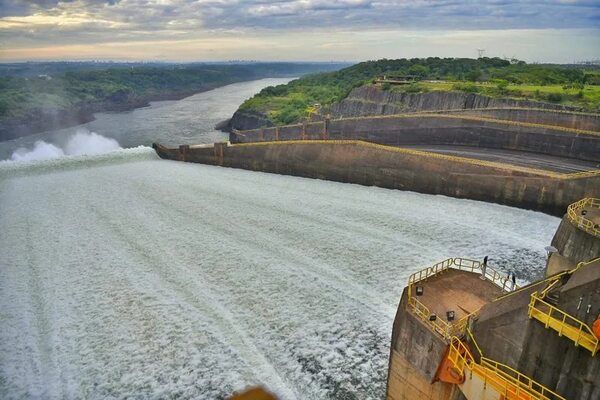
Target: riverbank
column 30, row 104
column 189, row 120
column 13, row 128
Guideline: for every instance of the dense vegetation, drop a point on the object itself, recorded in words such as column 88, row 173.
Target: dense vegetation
column 491, row 76
column 23, row 96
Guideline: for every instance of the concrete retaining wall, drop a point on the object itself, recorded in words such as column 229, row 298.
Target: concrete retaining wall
column 586, row 121
column 371, row 166
column 506, row 334
column 416, row 353
column 439, row 130
column 575, row 244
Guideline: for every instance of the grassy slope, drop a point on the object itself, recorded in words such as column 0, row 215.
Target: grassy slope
column 288, row 103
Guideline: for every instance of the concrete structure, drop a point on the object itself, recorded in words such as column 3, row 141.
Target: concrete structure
column 397, row 168
column 534, row 342
column 443, row 130
column 372, row 100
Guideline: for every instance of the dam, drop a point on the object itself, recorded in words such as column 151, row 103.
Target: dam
column 531, row 155
column 464, row 330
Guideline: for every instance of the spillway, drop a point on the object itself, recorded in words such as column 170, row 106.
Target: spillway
column 122, row 275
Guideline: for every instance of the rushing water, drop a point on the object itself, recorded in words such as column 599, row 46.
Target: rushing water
column 190, row 120
column 123, row 275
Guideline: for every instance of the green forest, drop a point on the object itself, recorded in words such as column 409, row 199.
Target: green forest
column 574, row 86
column 23, row 94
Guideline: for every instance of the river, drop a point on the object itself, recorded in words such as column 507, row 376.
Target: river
column 123, row 275
column 187, row 121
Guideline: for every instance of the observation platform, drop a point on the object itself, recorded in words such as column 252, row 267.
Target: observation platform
column 454, row 290
column 585, row 215
column 455, row 285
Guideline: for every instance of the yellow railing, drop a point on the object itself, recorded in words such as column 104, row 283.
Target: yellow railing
column 420, row 310
column 579, row 220
column 445, row 329
column 463, row 264
column 505, row 380
column 566, row 325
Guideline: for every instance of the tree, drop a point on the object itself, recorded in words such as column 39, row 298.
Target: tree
column 418, row 70
column 474, row 75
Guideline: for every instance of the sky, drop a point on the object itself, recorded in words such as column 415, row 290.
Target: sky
column 561, row 31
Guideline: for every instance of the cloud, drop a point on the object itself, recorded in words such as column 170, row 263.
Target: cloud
column 42, row 24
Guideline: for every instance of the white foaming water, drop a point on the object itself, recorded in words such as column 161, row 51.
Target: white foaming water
column 83, row 142
column 122, row 275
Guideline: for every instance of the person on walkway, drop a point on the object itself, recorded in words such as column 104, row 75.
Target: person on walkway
column 514, row 281
column 484, row 267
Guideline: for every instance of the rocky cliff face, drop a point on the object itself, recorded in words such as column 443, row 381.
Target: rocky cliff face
column 370, row 100
column 245, row 120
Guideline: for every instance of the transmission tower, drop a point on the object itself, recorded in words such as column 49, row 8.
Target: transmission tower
column 480, row 53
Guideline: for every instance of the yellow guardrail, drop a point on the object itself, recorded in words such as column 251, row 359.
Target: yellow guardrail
column 421, row 153
column 574, row 213
column 565, row 324
column 420, row 310
column 463, row 264
column 445, row 329
column 505, row 380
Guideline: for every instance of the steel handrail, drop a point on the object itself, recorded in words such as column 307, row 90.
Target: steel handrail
column 446, row 330
column 462, row 264
column 581, row 221
column 422, row 311
column 585, row 336
column 505, row 379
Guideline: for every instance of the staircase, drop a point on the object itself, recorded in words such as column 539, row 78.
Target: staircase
column 543, row 307
column 564, row 324
column 488, row 379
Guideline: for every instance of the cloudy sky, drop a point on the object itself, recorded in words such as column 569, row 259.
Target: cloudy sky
column 320, row 30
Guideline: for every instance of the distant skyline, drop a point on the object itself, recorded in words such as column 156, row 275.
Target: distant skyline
column 559, row 31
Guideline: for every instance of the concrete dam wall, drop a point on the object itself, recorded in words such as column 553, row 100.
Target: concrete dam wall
column 434, row 129
column 395, row 168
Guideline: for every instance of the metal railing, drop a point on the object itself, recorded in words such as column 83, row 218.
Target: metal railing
column 578, row 219
column 445, row 329
column 422, row 311
column 464, row 264
column 505, row 380
column 565, row 324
